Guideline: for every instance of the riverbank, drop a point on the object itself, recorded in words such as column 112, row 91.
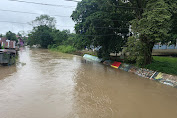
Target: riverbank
column 158, row 76
column 71, row 50
column 160, row 64
column 162, row 69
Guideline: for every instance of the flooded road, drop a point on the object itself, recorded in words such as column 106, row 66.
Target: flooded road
column 53, row 85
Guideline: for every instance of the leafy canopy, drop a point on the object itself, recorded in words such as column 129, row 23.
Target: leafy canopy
column 152, row 24
column 11, row 36
column 102, row 23
column 44, row 20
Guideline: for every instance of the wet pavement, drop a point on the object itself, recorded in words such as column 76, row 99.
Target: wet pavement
column 46, row 84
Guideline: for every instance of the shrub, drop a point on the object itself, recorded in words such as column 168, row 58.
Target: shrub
column 63, row 48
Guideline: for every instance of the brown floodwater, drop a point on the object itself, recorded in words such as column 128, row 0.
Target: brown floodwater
column 46, row 84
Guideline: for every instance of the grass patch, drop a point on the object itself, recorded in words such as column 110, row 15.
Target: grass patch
column 63, row 49
column 164, row 64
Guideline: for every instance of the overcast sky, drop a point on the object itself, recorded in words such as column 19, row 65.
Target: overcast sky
column 62, row 22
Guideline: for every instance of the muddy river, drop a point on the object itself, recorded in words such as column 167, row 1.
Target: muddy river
column 46, row 84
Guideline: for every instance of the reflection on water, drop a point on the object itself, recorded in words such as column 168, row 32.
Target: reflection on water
column 54, row 85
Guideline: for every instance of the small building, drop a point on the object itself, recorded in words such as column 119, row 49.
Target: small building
column 20, row 42
column 7, row 44
column 7, row 51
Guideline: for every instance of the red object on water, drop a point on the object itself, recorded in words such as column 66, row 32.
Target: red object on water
column 116, row 64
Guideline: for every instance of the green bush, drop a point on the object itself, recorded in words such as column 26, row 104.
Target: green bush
column 63, row 48
column 49, row 46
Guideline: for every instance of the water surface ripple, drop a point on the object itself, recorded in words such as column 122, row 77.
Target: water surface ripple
column 46, row 84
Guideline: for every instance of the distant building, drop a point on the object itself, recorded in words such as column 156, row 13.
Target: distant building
column 18, row 36
column 7, row 44
column 20, row 42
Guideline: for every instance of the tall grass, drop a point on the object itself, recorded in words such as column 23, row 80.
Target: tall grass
column 62, row 48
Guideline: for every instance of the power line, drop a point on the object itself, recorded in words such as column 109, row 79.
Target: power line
column 98, row 35
column 85, row 35
column 107, row 27
column 98, row 27
column 63, row 26
column 28, row 12
column 108, row 19
column 45, row 4
column 12, row 22
column 130, row 7
column 72, row 0
column 50, row 15
column 68, row 26
column 64, row 6
column 28, row 23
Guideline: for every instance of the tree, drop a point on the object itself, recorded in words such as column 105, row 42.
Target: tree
column 173, row 31
column 41, row 35
column 102, row 23
column 11, row 36
column 151, row 25
column 44, row 20
column 60, row 37
column 42, row 31
column 19, row 34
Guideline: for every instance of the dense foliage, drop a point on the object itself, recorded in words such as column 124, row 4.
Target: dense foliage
column 44, row 20
column 46, row 35
column 41, row 35
column 112, row 25
column 102, row 23
column 11, row 36
column 106, row 23
column 152, row 24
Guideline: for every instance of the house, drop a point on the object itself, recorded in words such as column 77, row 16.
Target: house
column 7, row 51
column 7, row 44
column 20, row 42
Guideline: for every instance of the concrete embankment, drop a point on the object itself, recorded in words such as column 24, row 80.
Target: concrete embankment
column 163, row 78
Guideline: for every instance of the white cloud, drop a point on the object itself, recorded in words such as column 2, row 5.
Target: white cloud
column 40, row 9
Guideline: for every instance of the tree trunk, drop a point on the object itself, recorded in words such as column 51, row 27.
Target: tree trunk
column 148, row 54
column 147, row 50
